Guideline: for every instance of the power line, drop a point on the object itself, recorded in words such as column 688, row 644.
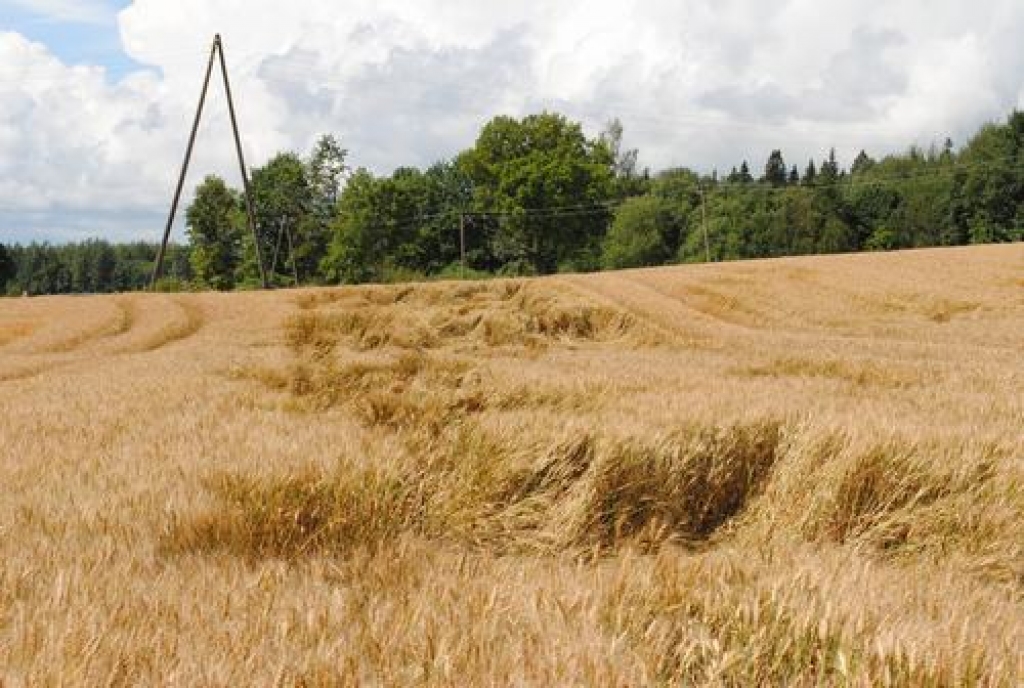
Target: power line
column 847, row 182
column 605, row 208
column 523, row 213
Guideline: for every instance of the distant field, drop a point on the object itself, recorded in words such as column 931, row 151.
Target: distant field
column 794, row 472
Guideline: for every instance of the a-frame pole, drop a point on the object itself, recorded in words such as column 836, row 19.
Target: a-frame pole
column 291, row 252
column 462, row 246
column 249, row 206
column 704, row 222
column 158, row 268
column 277, row 248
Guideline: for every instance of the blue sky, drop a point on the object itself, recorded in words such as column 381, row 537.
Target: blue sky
column 77, row 32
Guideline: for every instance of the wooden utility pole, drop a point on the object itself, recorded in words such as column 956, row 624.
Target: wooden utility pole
column 291, row 252
column 158, row 268
column 284, row 230
column 249, row 205
column 704, row 222
column 462, row 245
column 277, row 248
column 216, row 50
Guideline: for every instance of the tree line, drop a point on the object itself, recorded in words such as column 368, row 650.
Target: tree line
column 535, row 196
column 95, row 266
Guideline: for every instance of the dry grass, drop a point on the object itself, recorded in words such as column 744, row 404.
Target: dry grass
column 796, row 472
column 11, row 330
column 859, row 373
column 477, row 491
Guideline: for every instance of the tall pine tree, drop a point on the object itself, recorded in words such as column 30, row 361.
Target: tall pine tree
column 775, row 169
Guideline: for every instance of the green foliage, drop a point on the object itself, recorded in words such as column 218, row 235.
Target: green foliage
column 406, row 222
column 988, row 194
column 775, row 169
column 520, row 167
column 93, row 266
column 810, row 174
column 374, row 223
column 829, row 173
column 325, row 169
column 447, row 189
column 396, row 274
column 861, row 164
column 284, row 204
column 171, row 285
column 742, row 176
column 882, row 239
column 8, row 268
column 535, row 195
column 634, row 238
column 215, row 223
column 628, row 180
column 455, row 271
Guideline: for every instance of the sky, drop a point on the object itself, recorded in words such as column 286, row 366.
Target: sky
column 97, row 96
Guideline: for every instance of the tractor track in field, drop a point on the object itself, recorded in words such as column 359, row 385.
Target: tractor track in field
column 136, row 326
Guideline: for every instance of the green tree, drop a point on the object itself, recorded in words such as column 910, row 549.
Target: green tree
column 988, row 197
column 284, row 203
column 43, row 269
column 679, row 189
column 359, row 245
column 407, row 223
column 446, row 192
column 325, row 170
column 7, row 269
column 829, row 173
column 796, row 224
column 629, row 180
column 215, row 227
column 92, row 264
column 872, row 206
column 810, row 174
column 744, row 176
column 134, row 265
column 637, row 235
column 862, row 163
column 775, row 169
column 530, row 167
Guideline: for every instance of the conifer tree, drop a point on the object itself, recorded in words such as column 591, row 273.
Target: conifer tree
column 810, row 174
column 744, row 175
column 775, row 169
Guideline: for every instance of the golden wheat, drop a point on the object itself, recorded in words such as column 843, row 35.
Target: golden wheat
column 792, row 472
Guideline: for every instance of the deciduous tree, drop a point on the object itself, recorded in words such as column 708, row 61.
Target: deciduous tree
column 214, row 223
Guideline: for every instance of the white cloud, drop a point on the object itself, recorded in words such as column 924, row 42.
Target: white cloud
column 703, row 83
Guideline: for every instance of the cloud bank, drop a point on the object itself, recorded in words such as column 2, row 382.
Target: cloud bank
column 700, row 83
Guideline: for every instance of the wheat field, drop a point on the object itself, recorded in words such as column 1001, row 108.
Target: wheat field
column 804, row 472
